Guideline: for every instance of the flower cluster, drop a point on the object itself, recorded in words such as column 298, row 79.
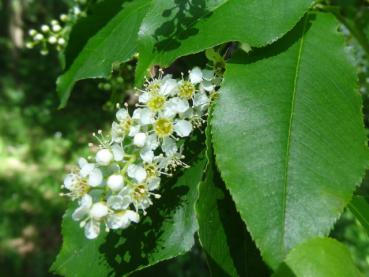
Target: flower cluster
column 57, row 32
column 143, row 146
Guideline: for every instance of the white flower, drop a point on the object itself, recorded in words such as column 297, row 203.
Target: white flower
column 118, row 152
column 115, row 182
column 147, row 155
column 98, row 210
column 201, row 100
column 136, row 172
column 104, row 156
column 169, row 146
column 122, row 115
column 79, row 184
column 175, row 106
column 169, row 87
column 144, row 116
column 119, row 202
column 183, row 128
column 195, row 75
column 139, row 139
column 123, row 219
column 91, row 215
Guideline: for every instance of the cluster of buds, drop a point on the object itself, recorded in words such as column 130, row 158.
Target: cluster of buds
column 145, row 144
column 57, row 32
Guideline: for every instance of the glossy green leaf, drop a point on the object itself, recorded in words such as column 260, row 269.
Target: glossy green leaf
column 166, row 232
column 175, row 28
column 115, row 42
column 288, row 136
column 319, row 257
column 229, row 248
column 359, row 206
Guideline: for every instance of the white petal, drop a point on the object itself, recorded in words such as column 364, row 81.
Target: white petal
column 169, row 87
column 136, row 172
column 92, row 229
column 115, row 182
column 118, row 220
column 207, row 86
column 169, row 146
column 139, row 139
column 137, row 114
column 133, row 216
column 178, row 105
column 86, row 169
column 95, row 178
column 69, row 181
column 118, row 202
column 183, row 128
column 83, row 209
column 201, row 100
column 154, row 183
column 152, row 142
column 134, row 130
column 82, row 162
column 116, row 133
column 147, row 117
column 147, row 155
column 207, row 74
column 195, row 75
column 118, row 152
column 144, row 97
column 122, row 115
column 99, row 210
column 104, row 156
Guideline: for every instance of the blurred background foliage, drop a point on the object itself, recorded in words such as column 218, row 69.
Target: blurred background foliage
column 38, row 142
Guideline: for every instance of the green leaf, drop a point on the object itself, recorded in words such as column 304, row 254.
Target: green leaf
column 288, row 136
column 166, row 232
column 115, row 42
column 319, row 257
column 223, row 236
column 86, row 27
column 359, row 206
column 175, row 28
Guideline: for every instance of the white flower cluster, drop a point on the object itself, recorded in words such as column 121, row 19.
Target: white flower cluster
column 57, row 32
column 142, row 146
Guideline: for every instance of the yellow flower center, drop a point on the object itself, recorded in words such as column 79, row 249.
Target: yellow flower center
column 163, row 127
column 151, row 170
column 153, row 87
column 126, row 125
column 140, row 192
column 186, row 90
column 156, row 103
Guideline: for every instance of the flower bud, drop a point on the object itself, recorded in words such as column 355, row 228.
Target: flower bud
column 98, row 210
column 104, row 157
column 115, row 182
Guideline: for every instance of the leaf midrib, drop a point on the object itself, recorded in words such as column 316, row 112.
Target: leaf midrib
column 288, row 147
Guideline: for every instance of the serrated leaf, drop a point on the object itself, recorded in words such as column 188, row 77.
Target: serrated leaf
column 288, row 136
column 115, row 42
column 166, row 232
column 223, row 236
column 319, row 257
column 359, row 206
column 175, row 28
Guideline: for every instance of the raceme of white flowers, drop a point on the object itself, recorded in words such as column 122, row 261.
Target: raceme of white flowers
column 57, row 32
column 123, row 178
